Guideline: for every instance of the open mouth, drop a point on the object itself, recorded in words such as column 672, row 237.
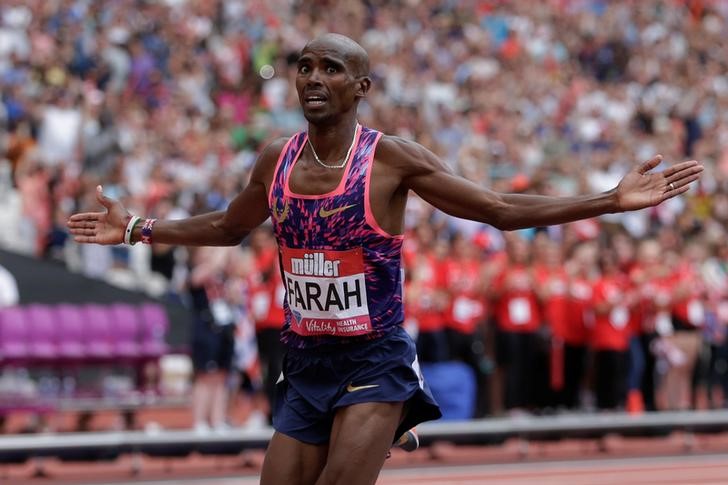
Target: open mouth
column 315, row 100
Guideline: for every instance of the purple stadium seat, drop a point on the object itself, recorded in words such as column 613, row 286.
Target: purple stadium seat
column 125, row 331
column 153, row 330
column 98, row 324
column 13, row 335
column 71, row 332
column 42, row 330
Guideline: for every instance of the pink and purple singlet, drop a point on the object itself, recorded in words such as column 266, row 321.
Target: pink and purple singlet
column 342, row 272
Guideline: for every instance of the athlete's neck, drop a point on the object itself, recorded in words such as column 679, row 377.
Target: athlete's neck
column 332, row 141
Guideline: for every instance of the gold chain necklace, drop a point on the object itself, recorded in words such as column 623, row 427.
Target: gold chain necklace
column 346, row 158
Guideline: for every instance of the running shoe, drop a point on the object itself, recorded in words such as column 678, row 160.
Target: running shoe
column 408, row 441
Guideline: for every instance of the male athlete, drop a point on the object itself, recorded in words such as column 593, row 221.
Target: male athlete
column 336, row 195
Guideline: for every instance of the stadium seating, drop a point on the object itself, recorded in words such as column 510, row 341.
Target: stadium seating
column 71, row 333
column 125, row 332
column 154, row 326
column 68, row 336
column 42, row 334
column 13, row 336
column 98, row 328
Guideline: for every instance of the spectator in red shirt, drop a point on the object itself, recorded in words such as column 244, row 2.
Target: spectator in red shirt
column 688, row 319
column 579, row 321
column 610, row 337
column 466, row 313
column 426, row 301
column 715, row 275
column 267, row 293
column 643, row 274
column 553, row 292
column 653, row 278
column 518, row 320
column 639, row 350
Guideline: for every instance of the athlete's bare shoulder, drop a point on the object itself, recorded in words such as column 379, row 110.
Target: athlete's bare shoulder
column 271, row 152
column 406, row 158
column 266, row 163
column 394, row 150
column 404, row 155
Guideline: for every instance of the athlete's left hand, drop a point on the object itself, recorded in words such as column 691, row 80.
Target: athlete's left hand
column 640, row 188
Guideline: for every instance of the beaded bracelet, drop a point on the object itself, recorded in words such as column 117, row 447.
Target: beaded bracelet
column 133, row 221
column 147, row 231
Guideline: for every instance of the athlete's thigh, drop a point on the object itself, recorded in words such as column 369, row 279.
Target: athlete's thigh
column 292, row 462
column 361, row 436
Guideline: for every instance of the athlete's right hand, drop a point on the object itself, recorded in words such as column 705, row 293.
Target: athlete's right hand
column 100, row 227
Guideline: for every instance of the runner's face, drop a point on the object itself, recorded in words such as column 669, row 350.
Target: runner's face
column 327, row 84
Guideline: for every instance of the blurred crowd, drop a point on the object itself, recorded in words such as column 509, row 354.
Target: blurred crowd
column 166, row 104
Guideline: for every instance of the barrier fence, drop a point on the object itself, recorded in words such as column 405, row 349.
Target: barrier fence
column 175, row 443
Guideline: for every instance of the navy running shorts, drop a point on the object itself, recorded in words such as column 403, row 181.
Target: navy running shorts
column 316, row 382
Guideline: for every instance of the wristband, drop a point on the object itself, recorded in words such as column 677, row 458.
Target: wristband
column 147, row 231
column 133, row 221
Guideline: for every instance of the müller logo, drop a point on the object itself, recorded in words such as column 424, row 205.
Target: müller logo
column 315, row 264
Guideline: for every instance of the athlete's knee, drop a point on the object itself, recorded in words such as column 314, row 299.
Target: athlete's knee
column 339, row 473
column 329, row 476
column 353, row 464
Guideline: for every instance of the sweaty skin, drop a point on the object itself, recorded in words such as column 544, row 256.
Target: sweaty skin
column 333, row 76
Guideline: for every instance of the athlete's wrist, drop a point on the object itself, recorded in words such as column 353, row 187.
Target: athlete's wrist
column 131, row 223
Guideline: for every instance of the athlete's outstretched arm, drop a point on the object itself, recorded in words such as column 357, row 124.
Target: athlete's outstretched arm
column 223, row 228
column 432, row 179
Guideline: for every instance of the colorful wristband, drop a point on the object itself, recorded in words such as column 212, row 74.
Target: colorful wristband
column 133, row 221
column 147, row 231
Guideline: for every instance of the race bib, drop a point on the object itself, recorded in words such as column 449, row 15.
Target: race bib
column 696, row 313
column 221, row 312
column 618, row 317
column 260, row 304
column 464, row 309
column 663, row 324
column 326, row 292
column 519, row 310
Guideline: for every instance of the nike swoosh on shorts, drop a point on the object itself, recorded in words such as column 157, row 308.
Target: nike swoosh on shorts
column 351, row 388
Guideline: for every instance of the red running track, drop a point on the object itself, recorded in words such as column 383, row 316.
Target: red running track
column 676, row 470
column 682, row 470
column 678, row 459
